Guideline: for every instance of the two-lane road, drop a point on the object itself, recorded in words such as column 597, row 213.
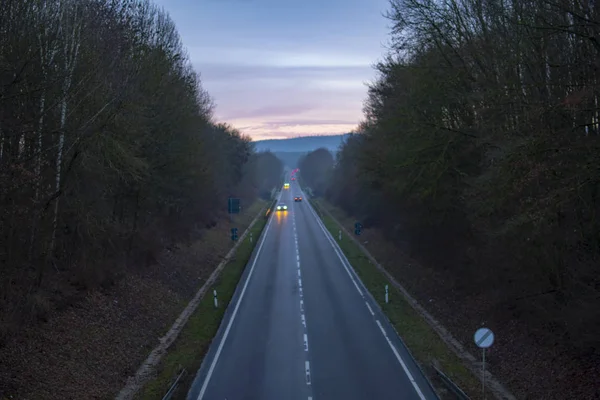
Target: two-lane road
column 301, row 325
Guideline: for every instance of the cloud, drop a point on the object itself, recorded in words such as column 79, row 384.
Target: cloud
column 296, row 128
column 217, row 72
column 308, row 122
column 283, row 58
column 269, row 111
column 286, row 100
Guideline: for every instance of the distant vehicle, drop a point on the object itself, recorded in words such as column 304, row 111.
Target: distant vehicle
column 293, row 179
column 298, row 198
column 286, row 185
column 281, row 207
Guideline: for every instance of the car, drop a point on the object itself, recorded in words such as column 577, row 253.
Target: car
column 298, row 198
column 281, row 207
column 286, row 185
column 293, row 179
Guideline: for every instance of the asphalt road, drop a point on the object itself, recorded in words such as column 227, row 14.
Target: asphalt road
column 301, row 325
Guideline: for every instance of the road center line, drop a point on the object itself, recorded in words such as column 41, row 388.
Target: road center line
column 305, row 342
column 307, row 369
column 370, row 309
column 302, row 315
column 346, row 264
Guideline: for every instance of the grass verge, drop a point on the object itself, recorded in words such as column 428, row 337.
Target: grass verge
column 195, row 338
column 423, row 342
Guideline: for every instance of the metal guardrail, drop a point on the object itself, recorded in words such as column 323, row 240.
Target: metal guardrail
column 451, row 385
column 169, row 394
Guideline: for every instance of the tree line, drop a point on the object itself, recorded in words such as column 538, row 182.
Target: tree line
column 479, row 152
column 108, row 145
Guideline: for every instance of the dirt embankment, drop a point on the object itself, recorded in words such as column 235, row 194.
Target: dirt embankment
column 533, row 362
column 88, row 348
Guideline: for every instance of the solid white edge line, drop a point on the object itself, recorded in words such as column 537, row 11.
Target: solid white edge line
column 336, row 251
column 404, row 367
column 235, row 310
column 394, row 350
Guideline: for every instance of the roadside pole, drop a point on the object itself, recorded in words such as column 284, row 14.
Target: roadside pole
column 484, row 338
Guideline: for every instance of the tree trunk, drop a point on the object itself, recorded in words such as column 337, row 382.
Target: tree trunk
column 70, row 51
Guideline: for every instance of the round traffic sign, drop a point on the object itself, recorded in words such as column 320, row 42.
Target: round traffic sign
column 484, row 338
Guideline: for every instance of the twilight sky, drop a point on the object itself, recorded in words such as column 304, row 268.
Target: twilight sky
column 284, row 68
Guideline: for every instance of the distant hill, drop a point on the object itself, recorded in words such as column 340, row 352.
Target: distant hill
column 290, row 159
column 301, row 144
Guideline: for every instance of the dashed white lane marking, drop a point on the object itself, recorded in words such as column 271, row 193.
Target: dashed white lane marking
column 302, row 316
column 346, row 264
column 370, row 309
column 305, row 342
column 404, row 367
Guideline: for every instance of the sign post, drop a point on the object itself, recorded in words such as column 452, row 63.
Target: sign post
column 484, row 338
column 233, row 206
column 357, row 228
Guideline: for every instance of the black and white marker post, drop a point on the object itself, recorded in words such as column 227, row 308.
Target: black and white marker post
column 386, row 295
column 484, row 338
column 215, row 296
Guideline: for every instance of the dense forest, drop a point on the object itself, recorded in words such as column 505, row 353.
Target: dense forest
column 108, row 148
column 478, row 154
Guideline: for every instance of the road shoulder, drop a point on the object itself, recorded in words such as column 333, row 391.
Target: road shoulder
column 425, row 343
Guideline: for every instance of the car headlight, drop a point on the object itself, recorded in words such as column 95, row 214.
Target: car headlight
column 279, row 208
column 285, row 207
